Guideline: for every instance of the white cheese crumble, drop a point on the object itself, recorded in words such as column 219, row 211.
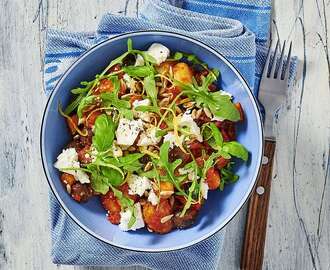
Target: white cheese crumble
column 144, row 102
column 129, row 81
column 148, row 137
column 139, row 60
column 144, row 116
column 204, row 189
column 128, row 130
column 126, row 215
column 153, row 198
column 183, row 171
column 69, row 159
column 137, row 184
column 169, row 137
column 157, row 51
column 187, row 121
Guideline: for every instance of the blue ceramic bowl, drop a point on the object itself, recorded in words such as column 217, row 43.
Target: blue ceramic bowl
column 219, row 209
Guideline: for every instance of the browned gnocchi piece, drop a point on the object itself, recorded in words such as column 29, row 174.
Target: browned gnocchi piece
column 182, row 73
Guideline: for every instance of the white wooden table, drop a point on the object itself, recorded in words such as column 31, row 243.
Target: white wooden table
column 298, row 235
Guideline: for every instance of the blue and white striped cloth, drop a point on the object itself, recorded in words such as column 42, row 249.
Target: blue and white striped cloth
column 236, row 28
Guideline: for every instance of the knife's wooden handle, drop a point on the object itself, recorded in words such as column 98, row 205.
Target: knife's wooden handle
column 256, row 223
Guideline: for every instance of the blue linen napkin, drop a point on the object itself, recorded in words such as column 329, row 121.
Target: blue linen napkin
column 222, row 25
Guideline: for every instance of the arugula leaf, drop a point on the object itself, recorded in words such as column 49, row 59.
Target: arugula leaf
column 144, row 108
column 224, row 107
column 236, row 149
column 149, row 174
column 85, row 102
column 98, row 184
column 129, row 44
column 113, row 176
column 129, row 162
column 216, row 135
column 189, row 199
column 163, row 159
column 178, row 56
column 139, row 71
column 210, row 162
column 73, row 105
column 104, row 133
column 132, row 220
column 123, row 106
column 228, row 176
column 110, row 99
column 220, row 105
column 150, row 87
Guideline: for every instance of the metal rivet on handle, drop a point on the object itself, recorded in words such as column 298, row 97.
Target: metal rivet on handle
column 264, row 160
column 260, row 190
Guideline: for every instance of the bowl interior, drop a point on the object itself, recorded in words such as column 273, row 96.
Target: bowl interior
column 220, row 206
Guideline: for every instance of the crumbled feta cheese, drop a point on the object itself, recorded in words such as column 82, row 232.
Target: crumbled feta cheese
column 139, row 60
column 144, row 102
column 187, row 121
column 128, row 130
column 69, row 159
column 204, row 189
column 137, row 184
column 157, row 51
column 148, row 137
column 129, row 81
column 183, row 171
column 82, row 177
column 145, row 116
column 169, row 137
column 153, row 198
column 192, row 175
column 126, row 215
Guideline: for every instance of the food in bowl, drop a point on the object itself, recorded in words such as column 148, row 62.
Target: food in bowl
column 151, row 135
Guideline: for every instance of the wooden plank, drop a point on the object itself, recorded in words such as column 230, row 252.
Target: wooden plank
column 298, row 234
column 299, row 224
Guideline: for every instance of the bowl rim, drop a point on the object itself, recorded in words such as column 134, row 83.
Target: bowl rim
column 217, row 54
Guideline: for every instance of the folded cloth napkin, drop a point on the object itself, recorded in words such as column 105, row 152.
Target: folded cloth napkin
column 220, row 24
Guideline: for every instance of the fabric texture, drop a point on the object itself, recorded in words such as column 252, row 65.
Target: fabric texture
column 236, row 28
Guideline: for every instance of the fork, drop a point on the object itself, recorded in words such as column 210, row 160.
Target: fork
column 272, row 93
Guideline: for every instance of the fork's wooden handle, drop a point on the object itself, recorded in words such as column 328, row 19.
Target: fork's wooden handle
column 256, row 223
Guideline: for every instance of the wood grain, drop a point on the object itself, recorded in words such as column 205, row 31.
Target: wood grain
column 298, row 232
column 256, row 219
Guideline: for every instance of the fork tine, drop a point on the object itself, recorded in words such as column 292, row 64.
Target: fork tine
column 286, row 71
column 266, row 66
column 272, row 72
column 279, row 71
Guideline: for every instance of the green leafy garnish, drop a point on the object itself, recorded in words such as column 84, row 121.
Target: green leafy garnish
column 217, row 136
column 150, row 87
column 220, row 105
column 235, row 149
column 104, row 133
column 129, row 162
column 170, row 167
column 144, row 108
column 85, row 102
column 114, row 177
column 178, row 56
column 139, row 71
column 99, row 183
